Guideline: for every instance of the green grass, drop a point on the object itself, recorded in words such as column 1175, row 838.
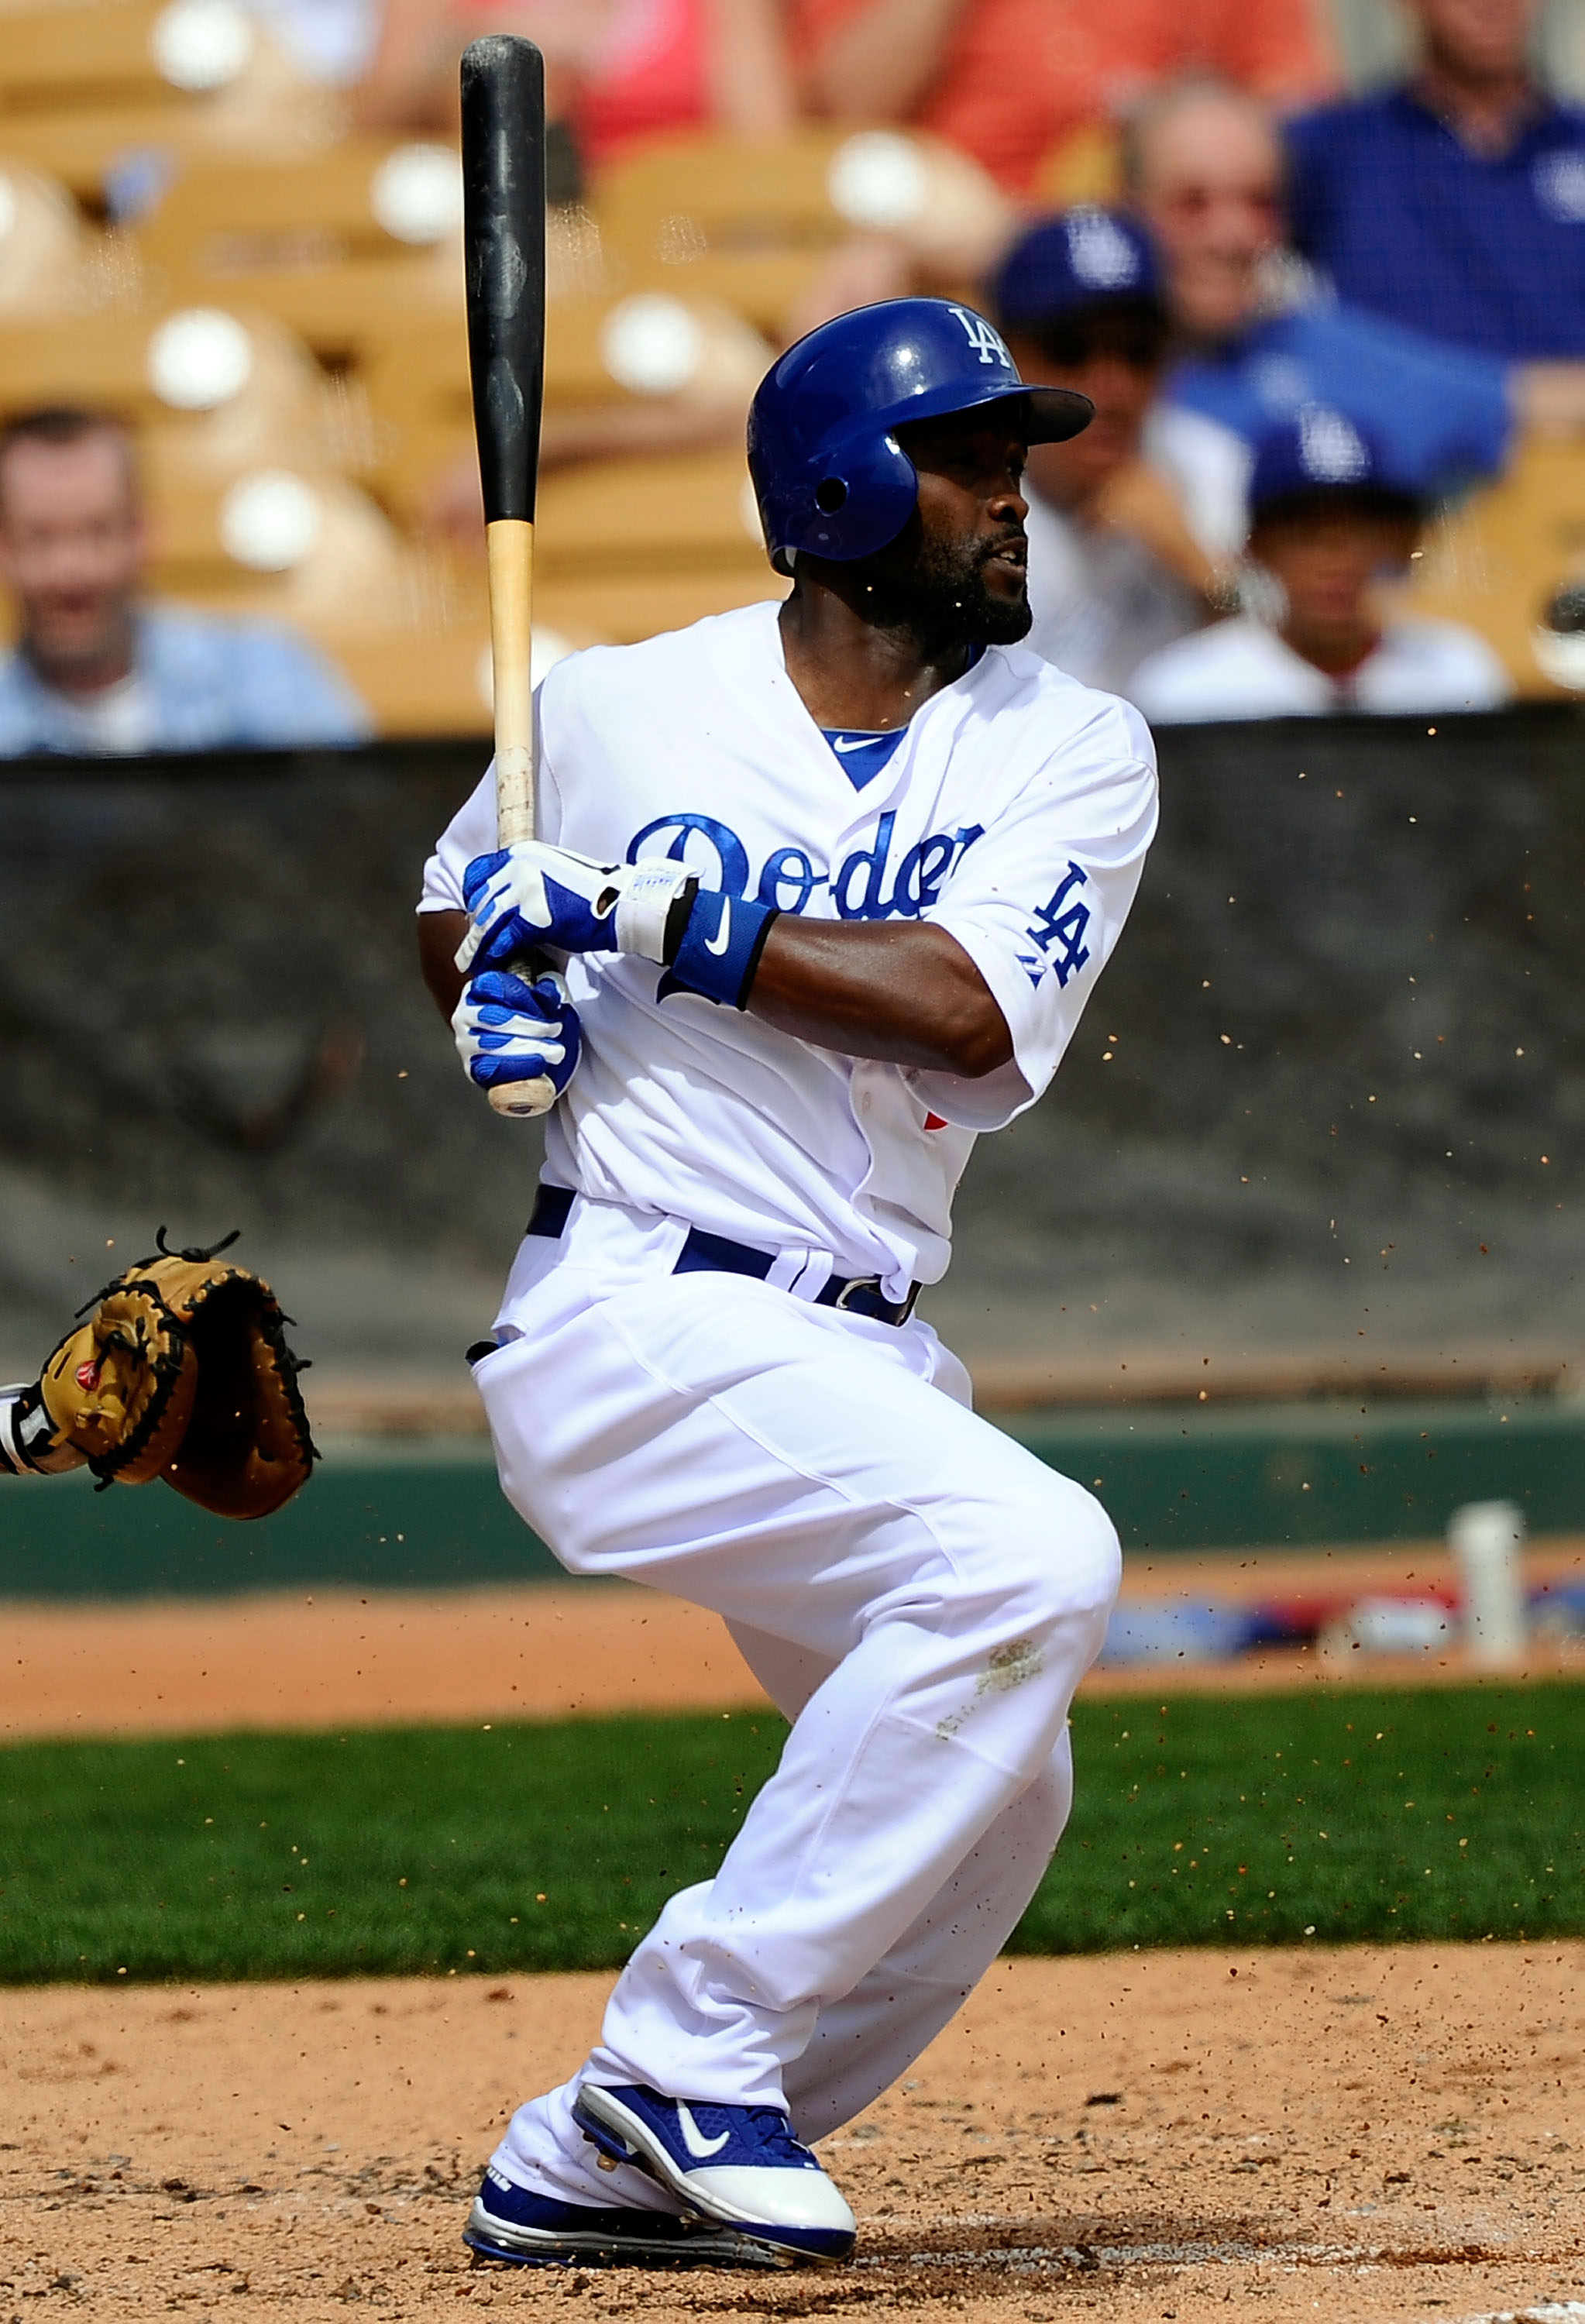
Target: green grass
column 1213, row 1820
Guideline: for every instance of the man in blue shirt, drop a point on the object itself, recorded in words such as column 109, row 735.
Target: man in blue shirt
column 1456, row 203
column 96, row 671
column 1261, row 340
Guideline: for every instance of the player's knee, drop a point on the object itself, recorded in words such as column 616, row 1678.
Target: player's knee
column 1062, row 1564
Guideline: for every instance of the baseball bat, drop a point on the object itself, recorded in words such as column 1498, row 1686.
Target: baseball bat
column 503, row 237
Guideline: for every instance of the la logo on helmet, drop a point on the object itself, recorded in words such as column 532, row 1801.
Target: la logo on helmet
column 985, row 341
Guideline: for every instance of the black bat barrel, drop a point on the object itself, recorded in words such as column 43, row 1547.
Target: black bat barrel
column 503, row 231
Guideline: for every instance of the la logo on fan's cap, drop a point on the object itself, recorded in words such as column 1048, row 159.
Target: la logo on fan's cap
column 1100, row 252
column 1559, row 180
column 1330, row 448
column 1320, row 449
column 1079, row 258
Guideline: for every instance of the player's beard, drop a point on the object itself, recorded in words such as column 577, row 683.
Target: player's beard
column 940, row 593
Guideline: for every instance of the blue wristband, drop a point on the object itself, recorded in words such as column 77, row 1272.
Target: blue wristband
column 721, row 947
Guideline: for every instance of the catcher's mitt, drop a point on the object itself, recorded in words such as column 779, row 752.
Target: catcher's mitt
column 182, row 1371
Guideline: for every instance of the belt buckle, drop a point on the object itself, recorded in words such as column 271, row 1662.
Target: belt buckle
column 857, row 1283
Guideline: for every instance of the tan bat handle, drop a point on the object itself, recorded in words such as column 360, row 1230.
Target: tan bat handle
column 511, row 541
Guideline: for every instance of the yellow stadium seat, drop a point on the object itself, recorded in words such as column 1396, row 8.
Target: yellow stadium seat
column 597, row 351
column 100, row 151
column 345, row 310
column 422, row 682
column 1497, row 562
column 625, row 548
column 694, row 365
column 234, row 389
column 308, row 549
column 366, row 198
column 49, row 262
column 688, row 512
column 1085, row 166
column 623, row 609
column 346, row 247
column 54, row 58
column 85, row 84
column 751, row 221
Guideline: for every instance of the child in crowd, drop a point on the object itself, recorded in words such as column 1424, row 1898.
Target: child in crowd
column 1329, row 519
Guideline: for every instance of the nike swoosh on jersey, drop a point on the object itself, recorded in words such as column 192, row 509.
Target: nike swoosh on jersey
column 700, row 2147
column 860, row 742
column 718, row 942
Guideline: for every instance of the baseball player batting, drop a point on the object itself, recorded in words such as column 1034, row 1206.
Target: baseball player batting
column 825, row 887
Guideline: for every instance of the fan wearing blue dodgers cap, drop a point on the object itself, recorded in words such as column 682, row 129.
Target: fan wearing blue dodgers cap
column 1331, row 517
column 1114, row 572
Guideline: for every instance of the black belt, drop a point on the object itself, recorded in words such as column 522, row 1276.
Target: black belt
column 713, row 1254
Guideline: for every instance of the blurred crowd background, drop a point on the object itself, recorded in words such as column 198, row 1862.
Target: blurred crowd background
column 1320, row 264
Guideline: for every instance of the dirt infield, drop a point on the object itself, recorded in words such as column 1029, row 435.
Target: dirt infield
column 341, row 1657
column 1367, row 2134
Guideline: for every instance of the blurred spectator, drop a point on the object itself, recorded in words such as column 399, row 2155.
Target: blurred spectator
column 96, row 671
column 1204, row 172
column 1009, row 80
column 1333, row 519
column 1455, row 203
column 1113, row 571
column 615, row 70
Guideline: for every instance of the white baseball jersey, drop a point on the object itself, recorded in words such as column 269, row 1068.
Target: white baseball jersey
column 1242, row 669
column 1015, row 813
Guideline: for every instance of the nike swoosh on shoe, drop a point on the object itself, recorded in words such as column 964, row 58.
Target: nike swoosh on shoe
column 757, row 2177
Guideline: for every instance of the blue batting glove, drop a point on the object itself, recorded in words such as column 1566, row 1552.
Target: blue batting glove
column 508, row 1031
column 533, row 896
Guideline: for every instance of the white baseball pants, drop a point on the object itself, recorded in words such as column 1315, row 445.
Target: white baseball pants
column 916, row 1591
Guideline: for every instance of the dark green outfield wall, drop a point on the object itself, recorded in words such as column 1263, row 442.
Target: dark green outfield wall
column 1331, row 1088
column 1172, row 1482
column 1331, row 1094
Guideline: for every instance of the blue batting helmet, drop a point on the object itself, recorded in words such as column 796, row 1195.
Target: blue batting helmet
column 829, row 474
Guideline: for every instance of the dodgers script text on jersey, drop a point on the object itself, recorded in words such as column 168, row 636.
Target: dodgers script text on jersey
column 1014, row 814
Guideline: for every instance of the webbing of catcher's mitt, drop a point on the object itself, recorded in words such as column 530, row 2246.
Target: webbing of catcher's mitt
column 183, row 1371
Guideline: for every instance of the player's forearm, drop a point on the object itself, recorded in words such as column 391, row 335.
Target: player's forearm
column 439, row 935
column 906, row 994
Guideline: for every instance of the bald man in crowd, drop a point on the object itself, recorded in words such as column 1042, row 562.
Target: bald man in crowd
column 1205, row 174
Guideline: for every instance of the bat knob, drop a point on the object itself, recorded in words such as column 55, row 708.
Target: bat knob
column 521, row 1100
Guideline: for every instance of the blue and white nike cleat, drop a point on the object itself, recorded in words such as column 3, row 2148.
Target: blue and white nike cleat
column 739, row 2165
column 528, row 2230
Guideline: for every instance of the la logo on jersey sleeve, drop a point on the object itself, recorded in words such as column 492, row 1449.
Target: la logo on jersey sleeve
column 1057, row 932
